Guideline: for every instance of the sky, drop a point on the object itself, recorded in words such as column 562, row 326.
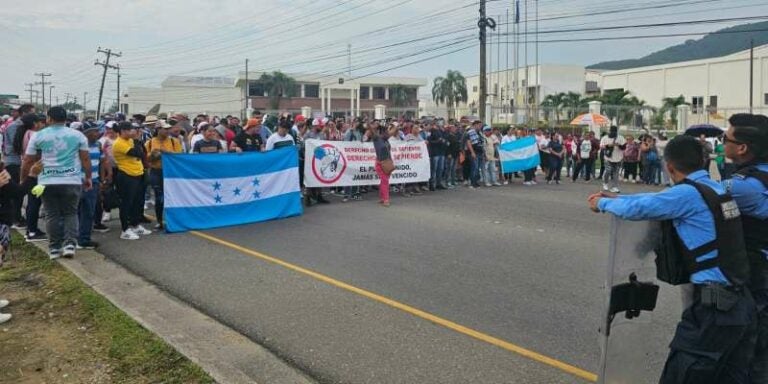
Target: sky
column 410, row 38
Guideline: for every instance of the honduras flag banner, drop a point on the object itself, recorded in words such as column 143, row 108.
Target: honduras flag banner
column 519, row 155
column 205, row 191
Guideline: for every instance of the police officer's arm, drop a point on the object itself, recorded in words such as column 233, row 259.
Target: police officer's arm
column 750, row 198
column 666, row 205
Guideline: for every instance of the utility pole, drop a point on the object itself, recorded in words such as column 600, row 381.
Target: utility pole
column 349, row 60
column 67, row 95
column 247, row 92
column 119, row 106
column 50, row 95
column 30, row 90
column 105, row 65
column 751, row 74
column 482, row 24
column 85, row 95
column 42, row 83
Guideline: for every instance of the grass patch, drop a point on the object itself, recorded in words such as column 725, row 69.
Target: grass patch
column 63, row 331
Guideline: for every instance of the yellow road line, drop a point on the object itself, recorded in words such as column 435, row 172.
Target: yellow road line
column 411, row 310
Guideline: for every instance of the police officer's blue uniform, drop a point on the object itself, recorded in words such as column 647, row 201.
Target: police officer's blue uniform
column 751, row 194
column 713, row 342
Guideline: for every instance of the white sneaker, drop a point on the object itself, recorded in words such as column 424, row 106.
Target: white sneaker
column 106, row 216
column 5, row 317
column 506, row 182
column 534, row 182
column 527, row 183
column 3, row 303
column 128, row 234
column 615, row 190
column 605, row 187
column 141, row 231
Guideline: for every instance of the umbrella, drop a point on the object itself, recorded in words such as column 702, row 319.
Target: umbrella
column 707, row 130
column 590, row 119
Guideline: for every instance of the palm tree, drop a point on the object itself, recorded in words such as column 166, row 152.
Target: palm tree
column 572, row 101
column 553, row 103
column 670, row 104
column 450, row 90
column 277, row 85
column 398, row 93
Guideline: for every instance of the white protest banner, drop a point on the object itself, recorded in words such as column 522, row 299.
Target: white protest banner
column 351, row 163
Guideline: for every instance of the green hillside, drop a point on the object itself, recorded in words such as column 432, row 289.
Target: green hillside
column 720, row 43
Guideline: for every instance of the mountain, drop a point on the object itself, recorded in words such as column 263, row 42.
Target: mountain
column 720, row 43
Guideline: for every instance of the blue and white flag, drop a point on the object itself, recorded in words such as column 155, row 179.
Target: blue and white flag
column 519, row 155
column 219, row 190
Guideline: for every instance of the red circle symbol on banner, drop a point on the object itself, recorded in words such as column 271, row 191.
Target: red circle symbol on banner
column 328, row 163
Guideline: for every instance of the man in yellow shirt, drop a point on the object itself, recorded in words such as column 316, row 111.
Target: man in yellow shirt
column 162, row 143
column 128, row 154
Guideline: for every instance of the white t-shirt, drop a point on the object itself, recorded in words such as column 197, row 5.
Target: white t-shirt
column 618, row 154
column 275, row 138
column 585, row 148
column 59, row 149
column 508, row 138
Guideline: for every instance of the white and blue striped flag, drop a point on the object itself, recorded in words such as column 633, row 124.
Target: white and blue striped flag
column 519, row 155
column 219, row 190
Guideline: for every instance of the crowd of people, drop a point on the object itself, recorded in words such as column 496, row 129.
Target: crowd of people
column 125, row 156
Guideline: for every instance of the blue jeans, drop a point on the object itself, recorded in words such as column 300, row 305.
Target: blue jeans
column 85, row 212
column 450, row 169
column 436, row 171
column 490, row 172
column 477, row 166
column 351, row 191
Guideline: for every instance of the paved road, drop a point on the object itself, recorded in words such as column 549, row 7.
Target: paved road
column 521, row 264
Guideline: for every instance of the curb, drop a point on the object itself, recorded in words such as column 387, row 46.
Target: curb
column 226, row 355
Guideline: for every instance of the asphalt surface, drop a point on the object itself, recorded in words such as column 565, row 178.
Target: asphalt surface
column 522, row 264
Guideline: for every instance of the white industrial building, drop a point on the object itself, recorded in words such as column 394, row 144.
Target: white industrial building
column 189, row 94
column 545, row 79
column 715, row 88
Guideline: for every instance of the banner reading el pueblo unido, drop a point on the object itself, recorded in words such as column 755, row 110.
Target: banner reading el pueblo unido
column 350, row 163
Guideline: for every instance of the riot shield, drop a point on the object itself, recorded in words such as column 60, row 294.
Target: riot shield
column 633, row 334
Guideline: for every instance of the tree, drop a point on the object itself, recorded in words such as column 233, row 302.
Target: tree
column 277, row 85
column 620, row 104
column 554, row 103
column 670, row 104
column 398, row 93
column 572, row 101
column 450, row 90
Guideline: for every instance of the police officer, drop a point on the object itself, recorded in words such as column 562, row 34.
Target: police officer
column 715, row 338
column 746, row 143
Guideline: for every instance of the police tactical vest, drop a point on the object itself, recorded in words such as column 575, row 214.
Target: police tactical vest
column 675, row 263
column 756, row 230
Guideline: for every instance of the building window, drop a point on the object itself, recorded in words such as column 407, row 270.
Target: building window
column 713, row 101
column 255, row 89
column 296, row 91
column 765, row 99
column 474, row 89
column 312, row 90
column 697, row 104
column 379, row 93
column 365, row 93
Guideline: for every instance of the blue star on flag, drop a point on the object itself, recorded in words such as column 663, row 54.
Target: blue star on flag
column 256, row 195
column 218, row 198
column 237, row 191
column 255, row 182
column 216, row 186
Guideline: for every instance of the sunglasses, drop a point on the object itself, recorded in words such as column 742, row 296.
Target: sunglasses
column 726, row 139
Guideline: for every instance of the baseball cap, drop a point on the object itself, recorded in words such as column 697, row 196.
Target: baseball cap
column 299, row 118
column 487, row 128
column 252, row 122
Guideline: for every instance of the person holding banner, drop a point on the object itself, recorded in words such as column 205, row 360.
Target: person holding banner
column 384, row 164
